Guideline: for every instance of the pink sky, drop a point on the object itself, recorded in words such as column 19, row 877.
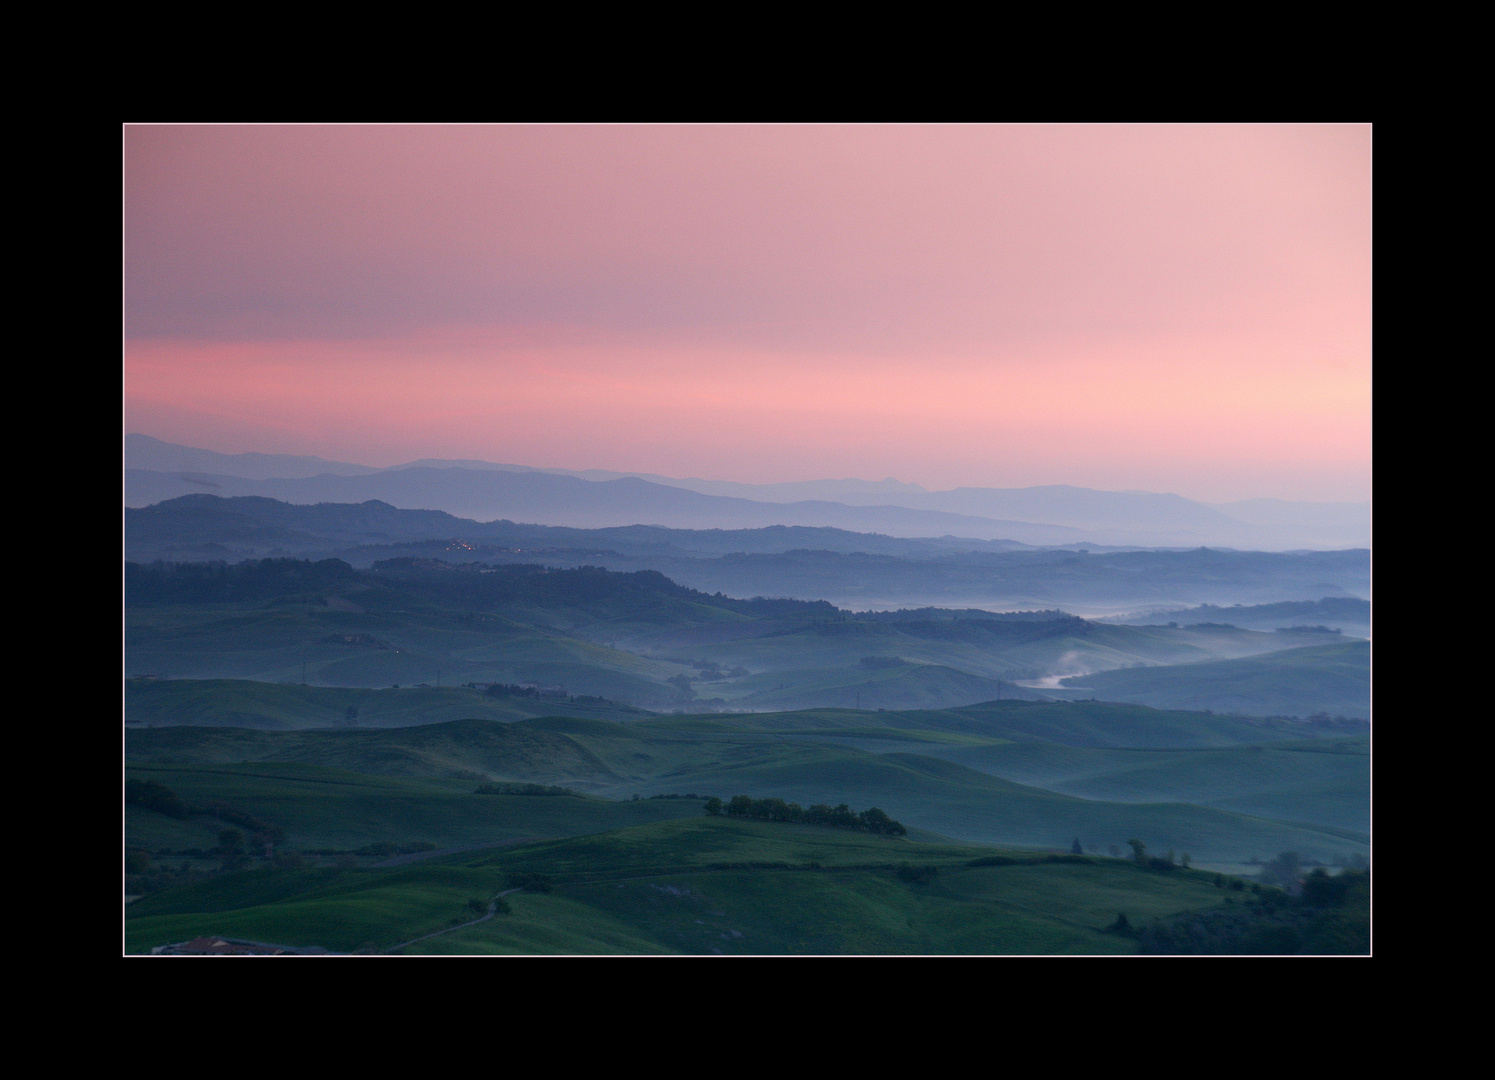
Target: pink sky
column 1174, row 308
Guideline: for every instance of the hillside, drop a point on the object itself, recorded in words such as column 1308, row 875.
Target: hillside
column 937, row 771
column 852, row 567
column 696, row 885
column 634, row 638
column 1330, row 679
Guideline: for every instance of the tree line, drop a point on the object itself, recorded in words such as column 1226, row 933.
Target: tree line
column 871, row 820
column 516, row 788
column 1329, row 916
column 220, row 582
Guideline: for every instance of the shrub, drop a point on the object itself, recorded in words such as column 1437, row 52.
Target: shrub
column 538, row 882
column 917, row 875
column 154, row 796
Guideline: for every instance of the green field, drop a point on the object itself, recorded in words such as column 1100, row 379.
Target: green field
column 1029, row 774
column 680, row 886
column 320, row 807
column 282, row 788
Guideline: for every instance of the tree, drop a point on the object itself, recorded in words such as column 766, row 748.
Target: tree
column 155, row 796
column 1283, row 870
column 878, row 822
column 1139, row 850
column 1075, row 848
column 714, row 806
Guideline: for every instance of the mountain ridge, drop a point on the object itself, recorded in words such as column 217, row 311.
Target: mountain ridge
column 1039, row 515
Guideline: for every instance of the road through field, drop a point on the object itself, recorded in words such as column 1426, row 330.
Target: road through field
column 492, row 908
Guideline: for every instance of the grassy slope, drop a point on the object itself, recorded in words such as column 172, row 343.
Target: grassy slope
column 840, row 644
column 1312, row 784
column 1332, row 679
column 245, row 703
column 277, row 641
column 905, row 686
column 404, row 636
column 1069, row 723
column 1105, row 751
column 921, row 790
column 651, row 889
column 322, row 807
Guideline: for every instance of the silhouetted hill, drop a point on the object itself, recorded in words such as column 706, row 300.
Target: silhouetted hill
column 864, row 571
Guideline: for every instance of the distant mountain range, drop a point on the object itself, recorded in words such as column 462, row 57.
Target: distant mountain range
column 485, row 491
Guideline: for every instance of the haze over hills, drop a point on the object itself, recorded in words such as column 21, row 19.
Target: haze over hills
column 1350, row 615
column 1050, row 515
column 294, row 698
column 642, row 639
column 856, row 570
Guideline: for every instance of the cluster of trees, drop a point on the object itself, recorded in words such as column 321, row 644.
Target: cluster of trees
column 529, row 880
column 927, row 614
column 264, row 832
column 499, row 690
column 1329, row 916
column 588, row 587
column 511, row 690
column 582, row 586
column 515, row 788
column 871, row 820
column 479, row 907
column 1153, row 862
column 155, row 796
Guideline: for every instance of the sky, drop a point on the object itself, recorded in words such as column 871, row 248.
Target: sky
column 1179, row 308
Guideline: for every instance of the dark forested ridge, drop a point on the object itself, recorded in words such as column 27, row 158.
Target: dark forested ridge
column 471, row 584
column 222, row 582
column 853, row 570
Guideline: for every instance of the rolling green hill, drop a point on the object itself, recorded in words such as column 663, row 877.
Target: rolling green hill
column 695, row 885
column 245, row 703
column 322, row 807
column 1329, row 679
column 925, row 783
